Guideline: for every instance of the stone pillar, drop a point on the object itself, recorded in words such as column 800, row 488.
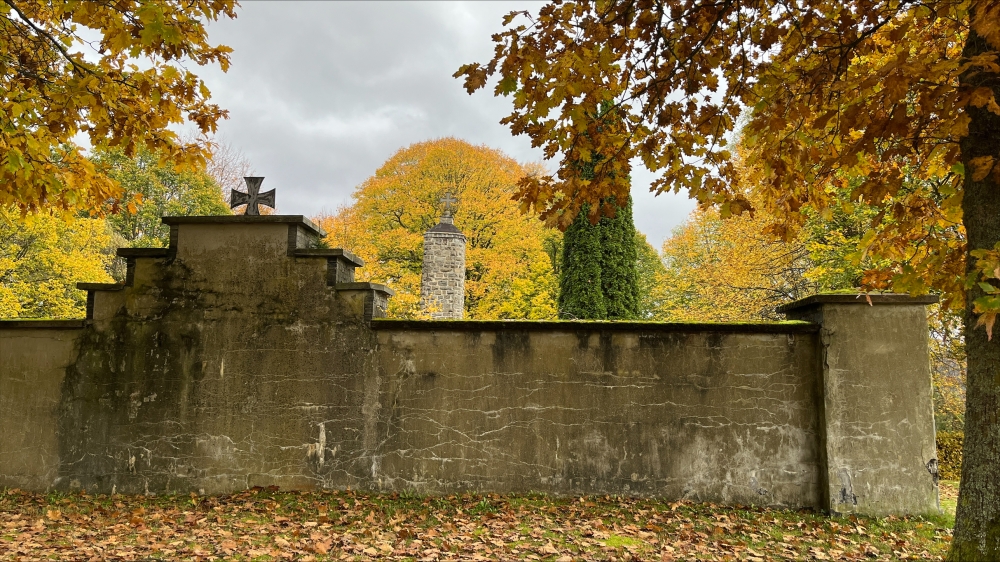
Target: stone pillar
column 442, row 286
column 877, row 442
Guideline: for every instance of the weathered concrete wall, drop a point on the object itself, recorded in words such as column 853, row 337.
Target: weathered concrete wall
column 698, row 412
column 878, row 411
column 207, row 370
column 34, row 356
column 243, row 356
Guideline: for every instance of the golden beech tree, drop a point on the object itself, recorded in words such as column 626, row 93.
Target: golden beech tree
column 69, row 68
column 508, row 272
column 903, row 95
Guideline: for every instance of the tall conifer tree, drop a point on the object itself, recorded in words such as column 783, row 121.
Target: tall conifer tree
column 599, row 278
column 619, row 261
column 581, row 293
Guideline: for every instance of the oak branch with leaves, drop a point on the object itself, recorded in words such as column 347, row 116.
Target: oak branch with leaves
column 69, row 68
column 900, row 95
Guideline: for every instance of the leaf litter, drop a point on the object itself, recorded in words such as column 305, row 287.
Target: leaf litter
column 268, row 524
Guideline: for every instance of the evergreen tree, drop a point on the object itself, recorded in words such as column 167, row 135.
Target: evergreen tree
column 619, row 272
column 581, row 290
column 599, row 278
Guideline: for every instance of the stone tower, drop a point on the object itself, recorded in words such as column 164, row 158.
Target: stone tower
column 442, row 287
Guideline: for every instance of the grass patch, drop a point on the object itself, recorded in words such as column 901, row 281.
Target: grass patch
column 267, row 524
column 616, row 541
column 948, row 494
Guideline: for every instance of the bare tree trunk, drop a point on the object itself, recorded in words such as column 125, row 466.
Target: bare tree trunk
column 977, row 525
column 228, row 167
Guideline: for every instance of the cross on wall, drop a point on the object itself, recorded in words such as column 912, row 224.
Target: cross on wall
column 252, row 198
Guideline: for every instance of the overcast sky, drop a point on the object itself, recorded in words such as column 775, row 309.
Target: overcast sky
column 320, row 94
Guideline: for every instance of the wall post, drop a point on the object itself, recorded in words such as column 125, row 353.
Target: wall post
column 876, row 407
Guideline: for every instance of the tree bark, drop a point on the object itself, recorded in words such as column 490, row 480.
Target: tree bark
column 977, row 523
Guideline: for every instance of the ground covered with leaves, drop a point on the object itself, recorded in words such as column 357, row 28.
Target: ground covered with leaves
column 266, row 524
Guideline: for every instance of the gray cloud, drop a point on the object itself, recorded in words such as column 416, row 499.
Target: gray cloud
column 320, row 94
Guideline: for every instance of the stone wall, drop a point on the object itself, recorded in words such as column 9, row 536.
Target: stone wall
column 703, row 412
column 34, row 356
column 241, row 357
column 442, row 283
column 878, row 416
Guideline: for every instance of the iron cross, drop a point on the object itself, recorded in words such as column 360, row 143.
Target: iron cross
column 449, row 202
column 253, row 197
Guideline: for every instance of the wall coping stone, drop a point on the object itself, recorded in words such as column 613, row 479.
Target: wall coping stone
column 100, row 286
column 247, row 219
column 329, row 253
column 788, row 327
column 857, row 298
column 364, row 286
column 142, row 252
column 23, row 324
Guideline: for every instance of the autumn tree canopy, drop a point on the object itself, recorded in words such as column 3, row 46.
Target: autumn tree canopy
column 44, row 254
column 729, row 271
column 117, row 72
column 832, row 92
column 43, row 257
column 508, row 272
column 150, row 191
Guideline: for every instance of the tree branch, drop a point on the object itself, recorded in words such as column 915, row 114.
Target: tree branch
column 55, row 42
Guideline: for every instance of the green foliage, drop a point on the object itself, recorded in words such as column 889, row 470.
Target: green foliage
column 949, row 451
column 43, row 257
column 599, row 278
column 650, row 271
column 152, row 190
column 619, row 275
column 853, row 243
column 580, row 287
column 552, row 242
column 948, row 368
column 831, row 240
